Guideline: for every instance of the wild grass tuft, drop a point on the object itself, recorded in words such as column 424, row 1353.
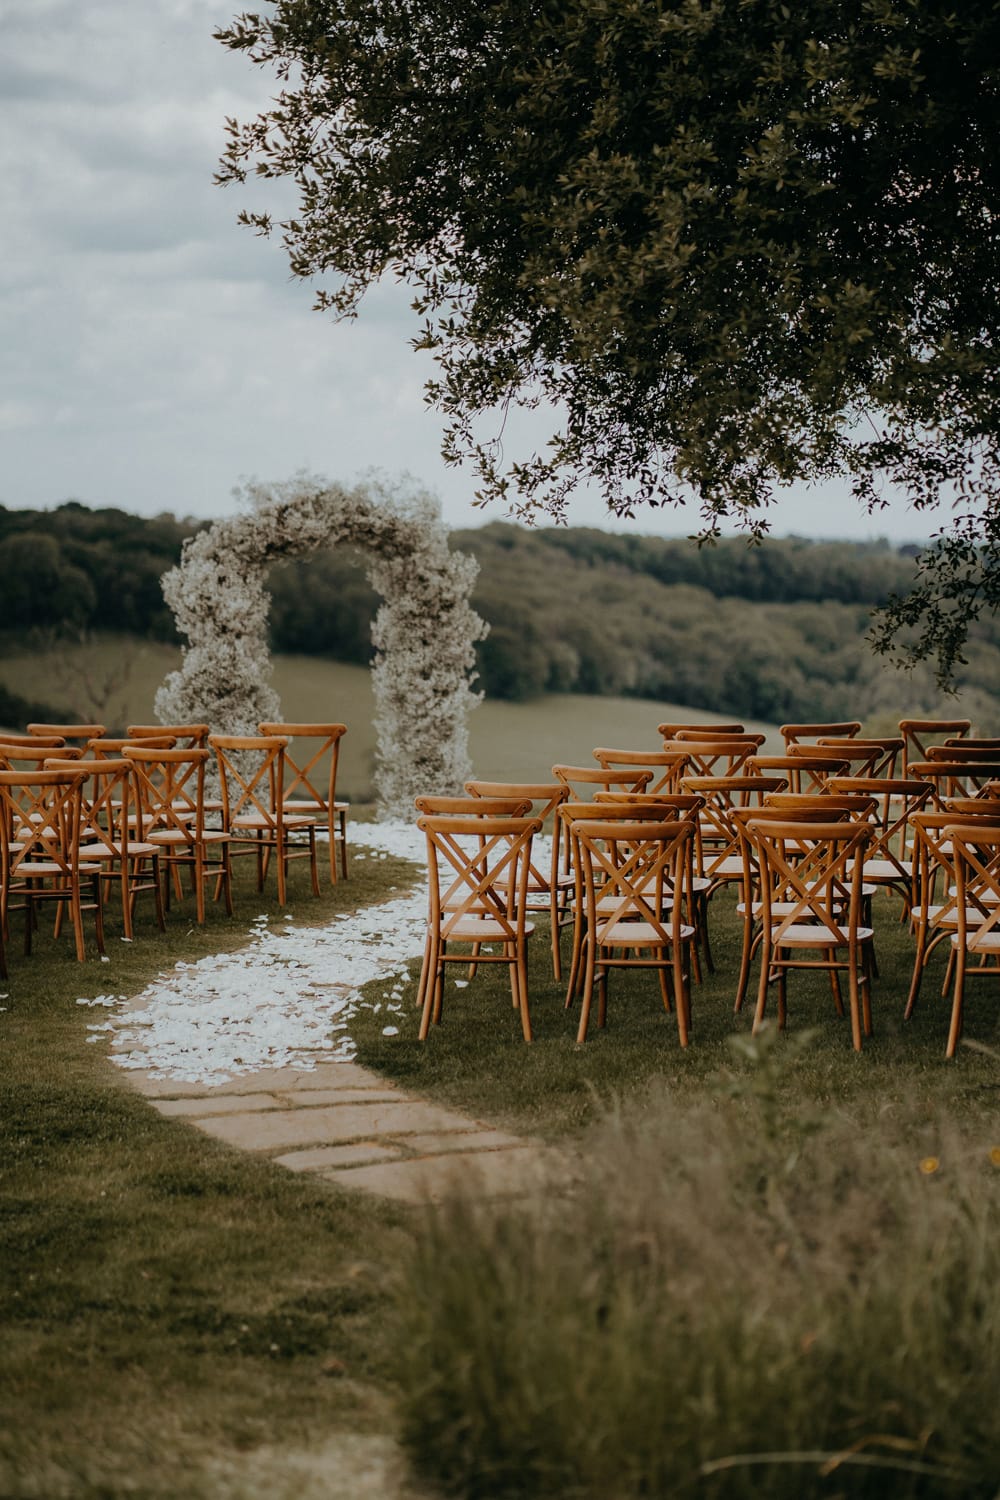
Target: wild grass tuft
column 725, row 1303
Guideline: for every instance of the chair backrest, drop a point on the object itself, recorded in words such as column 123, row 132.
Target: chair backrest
column 855, row 804
column 976, row 854
column 28, row 740
column 635, row 871
column 897, row 798
column 797, row 734
column 106, row 797
column 27, row 757
column 934, row 874
column 806, row 771
column 40, row 822
column 473, row 807
column 867, row 757
column 814, row 870
column 106, row 748
column 919, row 734
column 667, row 766
column 68, row 731
column 956, row 778
column 718, row 839
column 252, row 777
column 187, row 736
column 964, row 750
column 582, row 781
column 478, row 868
column 711, row 731
column 310, row 768
column 170, row 789
column 724, row 756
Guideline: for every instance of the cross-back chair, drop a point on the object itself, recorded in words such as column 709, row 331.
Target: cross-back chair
column 725, row 755
column 956, row 778
column 550, row 882
column 252, row 778
column 170, row 786
column 40, row 852
column 811, row 902
column 311, row 782
column 710, row 731
column 186, row 736
column 806, row 771
column 667, row 766
column 919, row 734
column 477, row 895
column 976, row 853
column 111, row 833
column 749, row 907
column 634, row 876
column 801, row 734
column 866, row 757
column 889, row 858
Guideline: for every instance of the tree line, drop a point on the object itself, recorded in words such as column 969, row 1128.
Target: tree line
column 776, row 631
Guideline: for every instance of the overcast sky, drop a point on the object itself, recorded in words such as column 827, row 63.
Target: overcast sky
column 153, row 354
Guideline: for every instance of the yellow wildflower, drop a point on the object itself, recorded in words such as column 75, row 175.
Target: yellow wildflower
column 995, row 1155
column 929, row 1164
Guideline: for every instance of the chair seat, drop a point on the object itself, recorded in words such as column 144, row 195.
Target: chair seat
column 114, row 850
column 984, row 942
column 482, row 930
column 802, row 935
column 175, row 837
column 40, row 869
column 638, row 935
column 881, row 870
column 257, row 823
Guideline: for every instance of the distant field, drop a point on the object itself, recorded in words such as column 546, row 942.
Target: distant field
column 115, row 680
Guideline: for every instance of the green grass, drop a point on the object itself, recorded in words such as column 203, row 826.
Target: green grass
column 170, row 1305
column 476, row 1060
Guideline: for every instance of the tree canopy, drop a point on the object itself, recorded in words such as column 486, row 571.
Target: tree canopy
column 734, row 243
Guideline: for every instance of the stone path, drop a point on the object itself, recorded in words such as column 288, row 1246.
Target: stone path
column 348, row 1126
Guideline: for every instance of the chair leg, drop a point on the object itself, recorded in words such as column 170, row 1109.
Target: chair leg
column 955, row 1029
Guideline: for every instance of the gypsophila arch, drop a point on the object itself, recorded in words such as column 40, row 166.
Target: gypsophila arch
column 424, row 633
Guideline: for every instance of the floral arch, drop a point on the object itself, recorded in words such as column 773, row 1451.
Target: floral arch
column 424, row 633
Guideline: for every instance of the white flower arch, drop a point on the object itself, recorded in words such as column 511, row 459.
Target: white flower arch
column 424, row 633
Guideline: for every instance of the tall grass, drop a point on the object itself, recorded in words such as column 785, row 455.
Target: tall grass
column 725, row 1303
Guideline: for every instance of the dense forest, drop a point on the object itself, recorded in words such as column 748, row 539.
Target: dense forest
column 773, row 632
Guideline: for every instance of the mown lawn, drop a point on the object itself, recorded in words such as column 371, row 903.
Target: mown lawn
column 168, row 1305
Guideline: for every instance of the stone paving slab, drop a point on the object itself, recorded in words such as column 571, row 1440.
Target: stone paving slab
column 355, row 1129
column 493, row 1174
column 340, row 1076
column 273, row 1130
column 358, row 1153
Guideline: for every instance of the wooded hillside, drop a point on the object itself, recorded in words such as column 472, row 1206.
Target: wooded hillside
column 772, row 632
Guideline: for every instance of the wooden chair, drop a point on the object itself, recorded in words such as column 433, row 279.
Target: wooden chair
column 801, row 734
column 919, row 734
column 548, row 890
column 750, row 905
column 977, row 869
column 81, row 732
column 31, row 740
column 40, row 852
column 111, row 749
column 866, row 757
column 252, row 777
column 111, row 833
column 889, row 858
column 934, row 911
column 311, row 787
column 583, row 782
column 631, row 807
column 667, row 766
column 633, row 881
column 478, row 894
column 811, row 891
column 170, row 786
column 16, row 756
column 724, row 756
